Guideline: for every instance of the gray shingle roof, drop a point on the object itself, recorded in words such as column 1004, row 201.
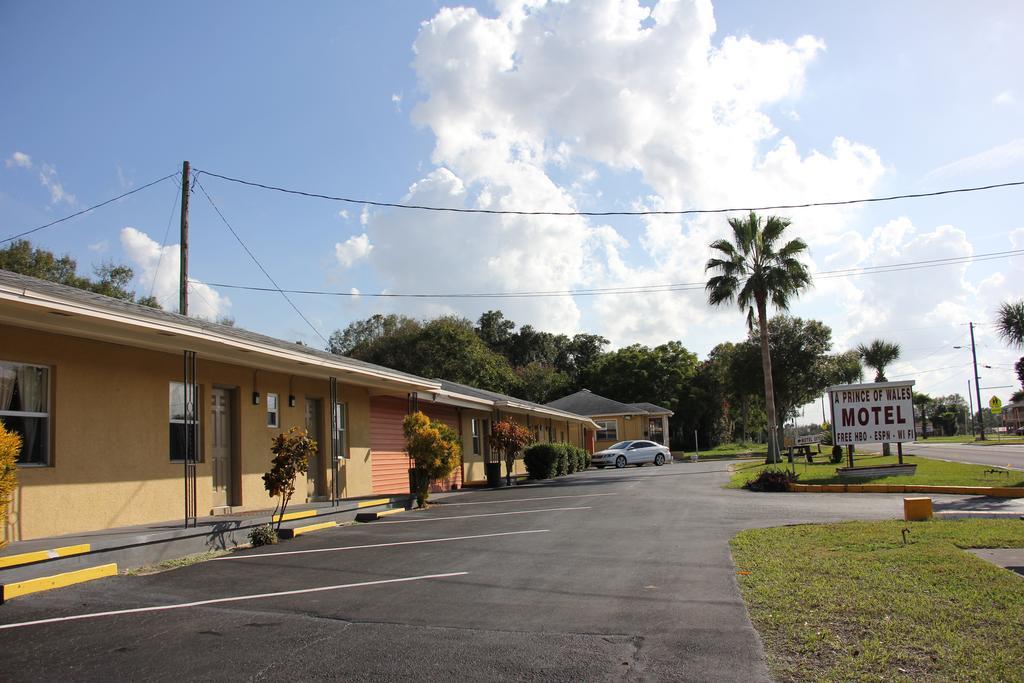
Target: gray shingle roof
column 106, row 303
column 493, row 395
column 584, row 402
column 651, row 408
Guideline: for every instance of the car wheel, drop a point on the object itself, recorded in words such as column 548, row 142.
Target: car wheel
column 620, row 462
column 659, row 459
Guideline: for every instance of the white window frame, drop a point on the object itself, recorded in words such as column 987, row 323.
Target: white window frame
column 474, row 427
column 603, row 427
column 197, row 406
column 273, row 411
column 44, row 416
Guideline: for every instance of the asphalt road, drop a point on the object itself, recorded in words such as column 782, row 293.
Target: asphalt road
column 999, row 455
column 605, row 575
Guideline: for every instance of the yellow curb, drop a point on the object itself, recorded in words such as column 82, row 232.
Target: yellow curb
column 994, row 491
column 40, row 555
column 309, row 528
column 301, row 514
column 373, row 516
column 375, row 501
column 385, row 513
column 45, row 583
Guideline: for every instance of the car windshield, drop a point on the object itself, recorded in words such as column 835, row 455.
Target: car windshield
column 622, row 445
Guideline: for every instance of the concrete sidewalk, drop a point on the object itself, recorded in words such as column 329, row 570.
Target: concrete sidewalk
column 136, row 546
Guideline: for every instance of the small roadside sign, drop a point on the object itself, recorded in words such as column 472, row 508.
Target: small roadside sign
column 995, row 405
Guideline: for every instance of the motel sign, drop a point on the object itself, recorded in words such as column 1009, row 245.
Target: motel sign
column 871, row 413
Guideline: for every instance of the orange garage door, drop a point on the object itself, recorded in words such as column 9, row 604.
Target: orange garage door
column 390, row 464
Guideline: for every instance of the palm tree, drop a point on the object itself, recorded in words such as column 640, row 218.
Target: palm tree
column 751, row 270
column 1010, row 322
column 879, row 354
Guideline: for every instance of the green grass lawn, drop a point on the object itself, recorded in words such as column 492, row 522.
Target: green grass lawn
column 726, row 450
column 851, row 602
column 929, row 472
column 990, row 439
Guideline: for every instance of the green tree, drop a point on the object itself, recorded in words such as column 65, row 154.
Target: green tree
column 845, row 368
column 435, row 449
column 496, row 331
column 530, row 345
column 638, row 373
column 923, row 406
column 445, row 348
column 753, row 270
column 1010, row 323
column 374, row 336
column 508, row 438
column 540, row 383
column 577, row 356
column 111, row 279
column 802, row 365
column 947, row 413
column 291, row 458
column 878, row 355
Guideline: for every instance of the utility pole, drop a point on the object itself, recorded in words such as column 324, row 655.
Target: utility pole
column 970, row 402
column 183, row 275
column 977, row 386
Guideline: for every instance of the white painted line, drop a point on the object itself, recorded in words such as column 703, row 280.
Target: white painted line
column 526, row 500
column 489, row 514
column 376, row 545
column 237, row 598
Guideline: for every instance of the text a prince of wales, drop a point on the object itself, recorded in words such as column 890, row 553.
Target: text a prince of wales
column 871, row 414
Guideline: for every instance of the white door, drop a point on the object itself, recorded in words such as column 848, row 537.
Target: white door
column 220, row 426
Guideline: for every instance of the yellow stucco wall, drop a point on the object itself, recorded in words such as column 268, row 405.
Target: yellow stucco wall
column 109, row 460
column 633, row 428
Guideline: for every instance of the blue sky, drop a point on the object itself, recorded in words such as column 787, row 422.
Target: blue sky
column 597, row 106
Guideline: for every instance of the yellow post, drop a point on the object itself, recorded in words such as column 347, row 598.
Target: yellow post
column 917, row 509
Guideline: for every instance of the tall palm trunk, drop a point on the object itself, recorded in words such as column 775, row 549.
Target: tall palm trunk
column 769, row 384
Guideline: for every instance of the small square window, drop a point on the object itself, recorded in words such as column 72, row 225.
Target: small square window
column 272, row 410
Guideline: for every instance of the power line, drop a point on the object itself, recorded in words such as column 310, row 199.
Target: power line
column 683, row 212
column 91, row 208
column 163, row 244
column 258, row 264
column 639, row 289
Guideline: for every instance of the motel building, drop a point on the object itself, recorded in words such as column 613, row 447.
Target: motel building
column 132, row 415
column 617, row 421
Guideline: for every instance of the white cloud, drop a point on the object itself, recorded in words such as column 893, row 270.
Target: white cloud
column 157, row 270
column 48, row 179
column 396, row 99
column 19, row 159
column 1005, row 97
column 364, row 215
column 98, row 247
column 543, row 91
column 997, row 158
column 343, row 214
column 353, row 249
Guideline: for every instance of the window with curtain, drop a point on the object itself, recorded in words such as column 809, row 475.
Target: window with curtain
column 177, row 423
column 475, row 425
column 25, row 409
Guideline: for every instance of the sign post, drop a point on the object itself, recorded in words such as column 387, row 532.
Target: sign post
column 871, row 413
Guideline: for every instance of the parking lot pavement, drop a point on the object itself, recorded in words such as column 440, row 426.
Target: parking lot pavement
column 605, row 575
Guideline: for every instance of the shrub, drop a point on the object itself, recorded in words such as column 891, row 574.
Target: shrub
column 837, row 455
column 264, row 534
column 291, row 458
column 561, row 460
column 771, row 479
column 582, row 459
column 10, row 447
column 434, row 448
column 508, row 437
column 572, row 463
column 541, row 460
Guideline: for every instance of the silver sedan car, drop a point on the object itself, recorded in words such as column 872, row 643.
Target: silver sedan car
column 636, row 453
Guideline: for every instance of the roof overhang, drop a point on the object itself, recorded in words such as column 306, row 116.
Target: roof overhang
column 35, row 310
column 531, row 409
